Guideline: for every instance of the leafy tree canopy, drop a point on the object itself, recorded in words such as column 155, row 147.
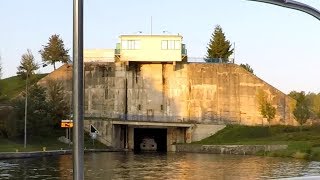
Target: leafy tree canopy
column 27, row 65
column 59, row 102
column 0, row 68
column 219, row 47
column 39, row 119
column 314, row 100
column 302, row 110
column 266, row 109
column 247, row 67
column 54, row 51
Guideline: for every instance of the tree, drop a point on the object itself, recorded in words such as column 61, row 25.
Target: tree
column 27, row 65
column 247, row 67
column 0, row 68
column 266, row 109
column 58, row 101
column 0, row 77
column 54, row 51
column 314, row 100
column 218, row 47
column 39, row 112
column 302, row 110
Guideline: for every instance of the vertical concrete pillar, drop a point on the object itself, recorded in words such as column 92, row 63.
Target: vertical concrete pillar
column 189, row 135
column 130, row 138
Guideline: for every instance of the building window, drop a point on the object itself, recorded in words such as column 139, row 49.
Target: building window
column 177, row 45
column 164, row 45
column 170, row 44
column 130, row 44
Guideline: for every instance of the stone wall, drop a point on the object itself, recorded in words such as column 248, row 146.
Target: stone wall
column 228, row 149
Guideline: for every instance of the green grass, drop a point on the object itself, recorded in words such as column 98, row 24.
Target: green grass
column 301, row 144
column 51, row 143
column 13, row 86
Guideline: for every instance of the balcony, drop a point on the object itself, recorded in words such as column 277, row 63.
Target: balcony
column 117, row 51
column 183, row 50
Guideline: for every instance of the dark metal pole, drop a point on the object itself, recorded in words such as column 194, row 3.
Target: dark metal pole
column 26, row 114
column 78, row 82
column 294, row 5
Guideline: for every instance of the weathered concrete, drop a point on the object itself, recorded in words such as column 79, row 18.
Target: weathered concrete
column 120, row 134
column 199, row 93
column 201, row 131
column 187, row 93
column 228, row 149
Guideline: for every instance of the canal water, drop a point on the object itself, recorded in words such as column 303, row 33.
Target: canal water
column 122, row 165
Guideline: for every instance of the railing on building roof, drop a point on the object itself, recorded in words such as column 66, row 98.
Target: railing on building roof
column 209, row 60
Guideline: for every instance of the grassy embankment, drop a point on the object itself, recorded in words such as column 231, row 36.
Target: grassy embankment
column 50, row 142
column 304, row 144
column 13, row 86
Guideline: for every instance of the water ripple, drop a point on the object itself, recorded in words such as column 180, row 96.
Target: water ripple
column 159, row 166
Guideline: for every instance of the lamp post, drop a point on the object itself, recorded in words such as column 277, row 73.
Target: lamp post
column 294, row 5
column 26, row 113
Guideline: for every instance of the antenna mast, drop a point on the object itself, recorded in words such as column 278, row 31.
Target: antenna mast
column 151, row 25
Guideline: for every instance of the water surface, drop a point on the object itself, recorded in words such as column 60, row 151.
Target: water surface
column 123, row 165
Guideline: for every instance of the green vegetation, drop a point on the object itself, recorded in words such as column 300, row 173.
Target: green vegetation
column 247, row 67
column 11, row 87
column 27, row 65
column 307, row 105
column 54, row 51
column 50, row 142
column 58, row 101
column 301, row 144
column 0, row 70
column 266, row 109
column 302, row 111
column 219, row 47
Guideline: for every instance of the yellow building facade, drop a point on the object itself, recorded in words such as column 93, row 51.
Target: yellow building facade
column 150, row 48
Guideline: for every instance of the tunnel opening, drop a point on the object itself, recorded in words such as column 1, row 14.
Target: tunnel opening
column 150, row 139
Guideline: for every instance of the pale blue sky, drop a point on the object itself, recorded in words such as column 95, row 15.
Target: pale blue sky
column 281, row 45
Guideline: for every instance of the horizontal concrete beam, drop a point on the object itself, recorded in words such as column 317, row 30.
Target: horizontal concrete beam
column 139, row 123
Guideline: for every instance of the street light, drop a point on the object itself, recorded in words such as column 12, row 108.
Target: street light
column 294, row 5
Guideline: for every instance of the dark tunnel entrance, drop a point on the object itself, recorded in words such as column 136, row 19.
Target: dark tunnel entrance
column 150, row 139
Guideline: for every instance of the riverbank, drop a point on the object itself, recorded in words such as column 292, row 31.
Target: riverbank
column 40, row 143
column 301, row 143
column 18, row 155
column 229, row 149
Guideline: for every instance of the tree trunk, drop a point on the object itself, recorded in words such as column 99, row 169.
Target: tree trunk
column 54, row 66
column 300, row 127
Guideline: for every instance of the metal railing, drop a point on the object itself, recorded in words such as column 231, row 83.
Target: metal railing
column 209, row 60
column 161, row 118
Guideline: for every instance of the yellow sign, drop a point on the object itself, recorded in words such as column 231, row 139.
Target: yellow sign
column 66, row 123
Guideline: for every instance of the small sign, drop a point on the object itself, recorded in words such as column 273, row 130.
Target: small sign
column 93, row 129
column 66, row 123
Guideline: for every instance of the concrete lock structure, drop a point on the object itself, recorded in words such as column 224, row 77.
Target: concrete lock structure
column 146, row 88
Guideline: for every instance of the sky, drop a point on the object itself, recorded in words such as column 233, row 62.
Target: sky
column 281, row 45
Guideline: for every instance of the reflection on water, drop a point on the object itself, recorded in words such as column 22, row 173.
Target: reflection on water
column 159, row 166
